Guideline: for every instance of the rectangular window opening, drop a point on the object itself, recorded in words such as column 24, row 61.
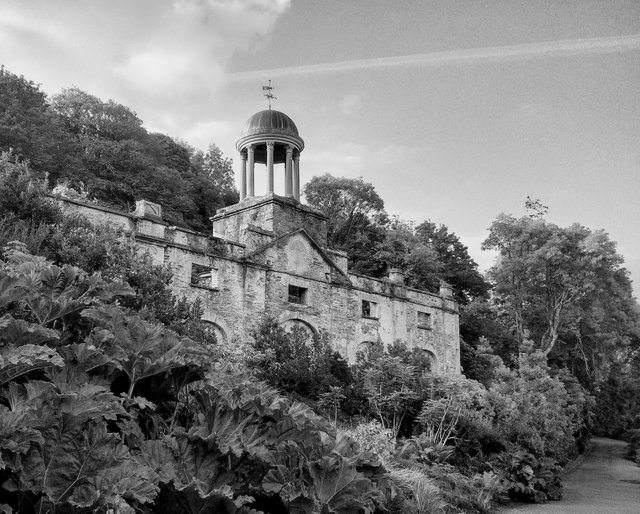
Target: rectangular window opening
column 204, row 276
column 369, row 309
column 424, row 320
column 297, row 295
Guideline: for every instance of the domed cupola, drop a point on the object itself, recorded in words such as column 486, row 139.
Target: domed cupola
column 270, row 122
column 270, row 137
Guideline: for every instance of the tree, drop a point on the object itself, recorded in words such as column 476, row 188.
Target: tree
column 457, row 268
column 123, row 163
column 89, row 117
column 219, row 169
column 348, row 203
column 546, row 275
column 32, row 131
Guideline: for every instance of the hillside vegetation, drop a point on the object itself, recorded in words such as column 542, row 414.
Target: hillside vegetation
column 101, row 150
column 114, row 396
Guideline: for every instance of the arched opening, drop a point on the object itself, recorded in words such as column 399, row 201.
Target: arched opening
column 363, row 349
column 215, row 333
column 427, row 362
column 299, row 326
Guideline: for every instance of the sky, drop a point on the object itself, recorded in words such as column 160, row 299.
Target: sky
column 455, row 110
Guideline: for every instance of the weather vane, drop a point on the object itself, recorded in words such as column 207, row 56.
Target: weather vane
column 269, row 93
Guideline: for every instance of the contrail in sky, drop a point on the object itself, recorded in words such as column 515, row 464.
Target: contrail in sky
column 495, row 54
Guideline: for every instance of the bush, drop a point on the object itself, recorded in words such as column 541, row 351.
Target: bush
column 297, row 362
column 533, row 409
column 476, row 493
column 617, row 404
column 23, row 196
column 30, row 216
column 422, row 492
column 372, row 437
column 633, row 446
column 529, row 478
column 461, row 408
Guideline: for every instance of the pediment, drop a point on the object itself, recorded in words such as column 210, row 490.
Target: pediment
column 297, row 253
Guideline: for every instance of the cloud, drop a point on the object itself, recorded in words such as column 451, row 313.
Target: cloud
column 548, row 49
column 165, row 58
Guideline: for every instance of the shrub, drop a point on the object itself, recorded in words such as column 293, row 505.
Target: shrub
column 419, row 488
column 23, row 195
column 387, row 380
column 529, row 478
column 617, row 404
column 477, row 493
column 297, row 363
column 633, row 446
column 533, row 409
column 461, row 409
column 372, row 437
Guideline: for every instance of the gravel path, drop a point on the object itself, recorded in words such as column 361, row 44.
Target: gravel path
column 602, row 483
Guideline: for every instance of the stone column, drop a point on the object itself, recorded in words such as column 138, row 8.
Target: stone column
column 270, row 145
column 296, row 176
column 288, row 179
column 243, row 176
column 251, row 164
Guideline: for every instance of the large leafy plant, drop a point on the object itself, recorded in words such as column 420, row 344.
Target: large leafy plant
column 101, row 410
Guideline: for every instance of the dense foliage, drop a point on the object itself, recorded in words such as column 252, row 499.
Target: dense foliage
column 115, row 398
column 376, row 243
column 82, row 428
column 102, row 151
column 464, row 444
column 104, row 408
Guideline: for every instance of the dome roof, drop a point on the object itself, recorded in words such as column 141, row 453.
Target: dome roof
column 270, row 122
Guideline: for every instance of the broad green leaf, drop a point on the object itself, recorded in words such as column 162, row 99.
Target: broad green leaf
column 16, row 361
column 18, row 332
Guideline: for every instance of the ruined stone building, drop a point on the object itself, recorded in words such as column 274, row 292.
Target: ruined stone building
column 268, row 254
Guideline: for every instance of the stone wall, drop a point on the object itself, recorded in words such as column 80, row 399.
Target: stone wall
column 261, row 248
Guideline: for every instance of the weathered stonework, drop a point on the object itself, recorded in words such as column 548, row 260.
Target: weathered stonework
column 269, row 255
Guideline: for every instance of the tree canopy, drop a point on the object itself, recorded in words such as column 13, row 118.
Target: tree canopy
column 552, row 282
column 102, row 150
column 376, row 242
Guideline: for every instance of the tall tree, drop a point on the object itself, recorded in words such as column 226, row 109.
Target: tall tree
column 88, row 116
column 356, row 219
column 549, row 279
column 348, row 203
column 457, row 266
column 32, row 131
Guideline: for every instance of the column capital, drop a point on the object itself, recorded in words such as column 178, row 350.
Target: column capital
column 271, row 143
